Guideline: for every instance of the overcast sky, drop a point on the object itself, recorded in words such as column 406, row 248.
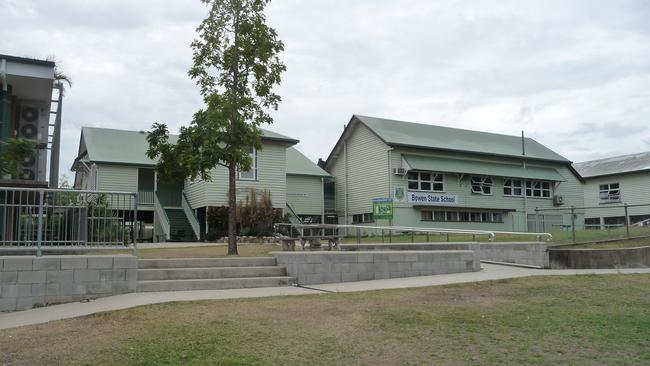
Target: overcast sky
column 575, row 75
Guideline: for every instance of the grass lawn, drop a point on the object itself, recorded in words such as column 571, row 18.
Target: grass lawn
column 586, row 320
column 244, row 250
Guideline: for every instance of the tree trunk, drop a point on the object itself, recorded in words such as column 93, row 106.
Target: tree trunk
column 232, row 210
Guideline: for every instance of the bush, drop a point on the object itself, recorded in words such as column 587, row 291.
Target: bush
column 257, row 216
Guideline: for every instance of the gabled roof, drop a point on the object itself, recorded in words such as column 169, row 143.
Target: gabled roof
column 299, row 164
column 108, row 145
column 615, row 165
column 408, row 134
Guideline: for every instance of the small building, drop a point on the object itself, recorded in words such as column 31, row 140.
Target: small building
column 28, row 112
column 612, row 182
column 449, row 178
column 305, row 188
column 115, row 160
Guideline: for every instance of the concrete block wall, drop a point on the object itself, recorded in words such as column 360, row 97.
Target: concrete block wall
column 527, row 253
column 330, row 267
column 30, row 281
column 562, row 258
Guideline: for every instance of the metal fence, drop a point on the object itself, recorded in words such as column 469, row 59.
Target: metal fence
column 390, row 234
column 61, row 219
column 594, row 223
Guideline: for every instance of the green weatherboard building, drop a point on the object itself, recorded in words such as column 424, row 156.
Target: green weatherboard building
column 115, row 160
column 450, row 178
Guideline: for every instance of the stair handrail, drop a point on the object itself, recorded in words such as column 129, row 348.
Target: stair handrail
column 291, row 228
column 194, row 222
column 161, row 214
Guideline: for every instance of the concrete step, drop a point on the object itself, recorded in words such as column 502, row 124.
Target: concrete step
column 209, row 272
column 213, row 284
column 206, row 262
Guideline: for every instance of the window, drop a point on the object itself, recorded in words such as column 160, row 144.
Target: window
column 610, row 192
column 538, row 189
column 512, row 187
column 427, row 215
column 482, row 185
column 421, row 181
column 362, row 218
column 252, row 173
column 534, row 188
column 462, row 216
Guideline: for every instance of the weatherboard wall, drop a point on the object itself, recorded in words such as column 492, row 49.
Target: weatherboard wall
column 119, row 178
column 367, row 175
column 635, row 189
column 369, row 172
column 305, row 194
column 271, row 175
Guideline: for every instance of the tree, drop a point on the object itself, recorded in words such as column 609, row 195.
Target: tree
column 236, row 66
column 13, row 152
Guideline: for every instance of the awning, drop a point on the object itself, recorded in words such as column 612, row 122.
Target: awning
column 445, row 165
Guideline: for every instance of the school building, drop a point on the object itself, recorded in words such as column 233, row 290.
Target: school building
column 449, row 178
column 613, row 182
column 115, row 160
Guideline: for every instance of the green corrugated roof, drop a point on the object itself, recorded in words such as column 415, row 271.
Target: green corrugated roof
column 454, row 139
column 130, row 147
column 299, row 164
column 481, row 167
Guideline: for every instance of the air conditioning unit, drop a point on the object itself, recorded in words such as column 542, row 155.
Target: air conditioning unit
column 399, row 171
column 558, row 200
column 33, row 118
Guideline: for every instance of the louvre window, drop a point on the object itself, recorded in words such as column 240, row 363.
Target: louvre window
column 462, row 216
column 481, row 185
column 610, row 192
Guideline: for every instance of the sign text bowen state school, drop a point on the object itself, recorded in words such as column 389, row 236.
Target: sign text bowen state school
column 433, row 199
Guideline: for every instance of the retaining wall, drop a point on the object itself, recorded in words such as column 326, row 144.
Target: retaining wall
column 473, row 246
column 600, row 258
column 30, row 281
column 330, row 267
column 528, row 253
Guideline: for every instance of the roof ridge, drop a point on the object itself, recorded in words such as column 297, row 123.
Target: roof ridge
column 440, row 126
column 612, row 158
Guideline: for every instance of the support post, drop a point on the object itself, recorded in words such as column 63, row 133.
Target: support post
column 573, row 224
column 39, row 233
column 134, row 239
column 537, row 220
column 627, row 221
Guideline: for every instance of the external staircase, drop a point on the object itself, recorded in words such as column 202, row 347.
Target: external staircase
column 180, row 227
column 185, row 274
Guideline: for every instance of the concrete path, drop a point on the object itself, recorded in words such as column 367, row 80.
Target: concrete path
column 71, row 310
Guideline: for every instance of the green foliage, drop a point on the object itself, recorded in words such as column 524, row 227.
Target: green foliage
column 236, row 66
column 14, row 152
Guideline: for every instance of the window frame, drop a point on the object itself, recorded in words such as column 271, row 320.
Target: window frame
column 436, row 179
column 609, row 190
column 253, row 167
column 512, row 187
column 482, row 184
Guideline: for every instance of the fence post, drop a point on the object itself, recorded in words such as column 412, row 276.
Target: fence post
column 627, row 221
column 427, row 236
column 412, row 236
column 390, row 236
column 358, row 236
column 39, row 233
column 573, row 224
column 134, row 238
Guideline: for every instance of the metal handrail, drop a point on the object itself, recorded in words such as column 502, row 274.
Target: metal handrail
column 163, row 219
column 196, row 227
column 64, row 190
column 491, row 234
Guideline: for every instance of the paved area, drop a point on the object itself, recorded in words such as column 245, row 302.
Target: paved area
column 71, row 310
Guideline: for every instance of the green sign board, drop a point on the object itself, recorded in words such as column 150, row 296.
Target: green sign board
column 382, row 209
